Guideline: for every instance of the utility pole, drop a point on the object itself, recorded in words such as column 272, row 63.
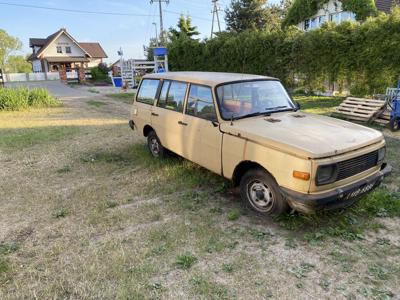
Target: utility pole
column 161, row 19
column 215, row 13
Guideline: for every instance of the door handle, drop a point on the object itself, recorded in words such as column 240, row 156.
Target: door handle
column 154, row 114
column 182, row 123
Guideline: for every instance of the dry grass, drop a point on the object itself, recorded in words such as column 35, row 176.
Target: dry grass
column 87, row 213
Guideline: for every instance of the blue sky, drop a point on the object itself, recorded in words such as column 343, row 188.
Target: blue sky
column 113, row 32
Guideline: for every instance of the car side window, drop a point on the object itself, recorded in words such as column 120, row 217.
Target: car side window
column 148, row 91
column 200, row 103
column 176, row 96
column 162, row 101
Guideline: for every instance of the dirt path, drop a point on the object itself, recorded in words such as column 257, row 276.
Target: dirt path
column 87, row 213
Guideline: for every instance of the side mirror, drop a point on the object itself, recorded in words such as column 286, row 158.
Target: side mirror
column 215, row 123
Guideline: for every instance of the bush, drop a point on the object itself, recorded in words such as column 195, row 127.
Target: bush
column 100, row 73
column 23, row 98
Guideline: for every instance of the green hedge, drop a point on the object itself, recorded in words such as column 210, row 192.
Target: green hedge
column 23, row 98
column 364, row 57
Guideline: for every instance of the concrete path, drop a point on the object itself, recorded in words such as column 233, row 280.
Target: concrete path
column 56, row 88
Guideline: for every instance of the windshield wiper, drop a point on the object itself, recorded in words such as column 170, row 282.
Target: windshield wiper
column 253, row 115
column 278, row 109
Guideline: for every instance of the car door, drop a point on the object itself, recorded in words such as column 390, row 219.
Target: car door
column 167, row 115
column 141, row 111
column 202, row 136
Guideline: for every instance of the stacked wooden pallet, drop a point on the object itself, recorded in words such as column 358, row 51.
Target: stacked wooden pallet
column 384, row 117
column 360, row 109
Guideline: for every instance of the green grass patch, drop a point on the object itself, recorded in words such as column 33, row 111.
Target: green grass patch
column 185, row 261
column 8, row 248
column 234, row 214
column 318, row 104
column 60, row 213
column 347, row 224
column 96, row 103
column 92, row 90
column 208, row 289
column 124, row 97
column 23, row 98
column 3, row 266
column 26, row 137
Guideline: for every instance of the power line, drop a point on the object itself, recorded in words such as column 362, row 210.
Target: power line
column 74, row 10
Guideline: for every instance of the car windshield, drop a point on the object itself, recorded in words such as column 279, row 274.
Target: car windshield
column 250, row 98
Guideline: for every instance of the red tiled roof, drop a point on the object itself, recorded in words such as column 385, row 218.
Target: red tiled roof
column 94, row 49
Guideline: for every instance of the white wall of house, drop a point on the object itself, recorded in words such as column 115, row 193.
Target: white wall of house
column 94, row 62
column 63, row 41
column 36, row 66
column 331, row 11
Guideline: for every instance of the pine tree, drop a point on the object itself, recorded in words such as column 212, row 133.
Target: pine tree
column 246, row 15
column 185, row 28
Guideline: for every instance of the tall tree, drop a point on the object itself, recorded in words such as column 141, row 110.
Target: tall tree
column 17, row 64
column 185, row 28
column 246, row 15
column 8, row 44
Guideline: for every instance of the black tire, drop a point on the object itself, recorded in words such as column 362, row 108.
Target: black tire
column 394, row 124
column 155, row 146
column 254, row 186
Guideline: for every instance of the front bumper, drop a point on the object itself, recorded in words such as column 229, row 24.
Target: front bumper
column 340, row 197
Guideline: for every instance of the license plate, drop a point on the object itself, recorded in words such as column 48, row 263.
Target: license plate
column 360, row 191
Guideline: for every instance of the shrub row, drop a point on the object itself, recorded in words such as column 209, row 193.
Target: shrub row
column 363, row 57
column 22, row 98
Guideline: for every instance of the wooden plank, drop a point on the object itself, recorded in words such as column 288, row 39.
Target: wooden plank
column 376, row 105
column 358, row 107
column 356, row 114
column 367, row 100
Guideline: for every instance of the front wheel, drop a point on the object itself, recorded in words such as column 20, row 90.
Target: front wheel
column 260, row 192
column 154, row 144
column 394, row 124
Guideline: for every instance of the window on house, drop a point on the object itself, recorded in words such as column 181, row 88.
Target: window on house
column 306, row 24
column 59, row 49
column 67, row 49
column 313, row 23
column 321, row 20
column 334, row 17
column 347, row 16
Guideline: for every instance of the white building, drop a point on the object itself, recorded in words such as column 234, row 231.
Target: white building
column 61, row 50
column 332, row 11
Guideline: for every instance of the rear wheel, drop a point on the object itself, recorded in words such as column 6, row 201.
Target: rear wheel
column 394, row 124
column 154, row 144
column 260, row 192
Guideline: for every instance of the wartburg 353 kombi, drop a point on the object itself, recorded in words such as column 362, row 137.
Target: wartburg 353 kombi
column 247, row 129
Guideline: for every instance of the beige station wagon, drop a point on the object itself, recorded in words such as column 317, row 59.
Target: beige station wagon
column 248, row 129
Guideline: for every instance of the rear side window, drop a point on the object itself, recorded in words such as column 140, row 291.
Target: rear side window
column 148, row 91
column 200, row 103
column 175, row 95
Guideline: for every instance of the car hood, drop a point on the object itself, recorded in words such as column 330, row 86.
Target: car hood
column 302, row 134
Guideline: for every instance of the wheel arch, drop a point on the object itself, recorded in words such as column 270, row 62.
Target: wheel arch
column 242, row 168
column 147, row 129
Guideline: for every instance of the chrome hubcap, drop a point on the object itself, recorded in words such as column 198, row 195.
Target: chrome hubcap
column 154, row 146
column 260, row 196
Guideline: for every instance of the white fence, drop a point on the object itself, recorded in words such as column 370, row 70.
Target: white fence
column 17, row 77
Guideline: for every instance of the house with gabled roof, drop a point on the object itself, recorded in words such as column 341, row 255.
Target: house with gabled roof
column 334, row 11
column 61, row 50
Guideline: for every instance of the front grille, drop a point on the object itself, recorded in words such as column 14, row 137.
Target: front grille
column 353, row 166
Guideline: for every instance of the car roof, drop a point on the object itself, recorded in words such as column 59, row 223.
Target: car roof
column 207, row 78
